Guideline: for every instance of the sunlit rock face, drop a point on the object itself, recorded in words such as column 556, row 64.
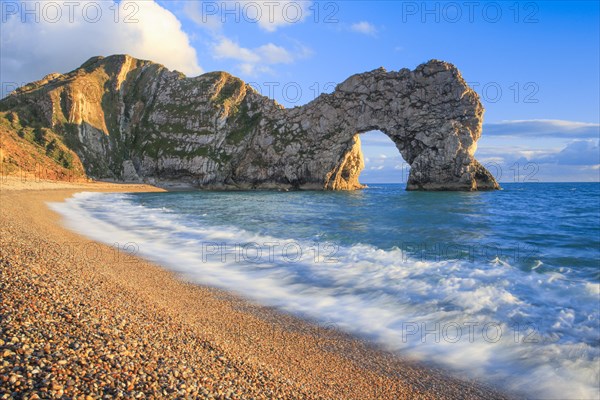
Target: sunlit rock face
column 133, row 120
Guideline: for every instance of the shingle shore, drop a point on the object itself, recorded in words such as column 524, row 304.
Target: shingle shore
column 81, row 320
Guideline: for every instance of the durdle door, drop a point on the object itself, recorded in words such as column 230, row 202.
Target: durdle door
column 134, row 120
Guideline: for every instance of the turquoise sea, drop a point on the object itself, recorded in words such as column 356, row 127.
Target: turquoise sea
column 502, row 286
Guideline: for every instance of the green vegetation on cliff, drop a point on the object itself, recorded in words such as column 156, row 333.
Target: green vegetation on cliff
column 35, row 150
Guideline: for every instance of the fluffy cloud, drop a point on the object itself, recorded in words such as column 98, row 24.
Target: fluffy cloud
column 364, row 27
column 266, row 15
column 543, row 128
column 227, row 48
column 69, row 33
column 579, row 152
column 575, row 161
column 253, row 61
column 273, row 54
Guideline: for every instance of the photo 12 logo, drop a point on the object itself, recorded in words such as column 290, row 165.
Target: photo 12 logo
column 516, row 92
column 469, row 12
column 473, row 331
column 516, row 172
column 70, row 11
column 92, row 251
column 292, row 92
column 468, row 252
column 269, row 252
column 271, row 12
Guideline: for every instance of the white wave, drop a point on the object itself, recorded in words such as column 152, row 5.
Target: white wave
column 489, row 320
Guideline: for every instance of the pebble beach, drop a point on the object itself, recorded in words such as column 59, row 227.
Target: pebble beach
column 83, row 320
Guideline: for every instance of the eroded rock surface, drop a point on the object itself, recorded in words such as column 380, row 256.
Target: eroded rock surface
column 131, row 119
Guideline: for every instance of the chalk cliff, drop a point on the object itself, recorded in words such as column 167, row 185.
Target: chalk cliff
column 134, row 120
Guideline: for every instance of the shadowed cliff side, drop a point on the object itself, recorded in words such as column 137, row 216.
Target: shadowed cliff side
column 134, row 120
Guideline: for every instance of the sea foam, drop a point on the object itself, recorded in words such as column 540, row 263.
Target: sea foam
column 527, row 332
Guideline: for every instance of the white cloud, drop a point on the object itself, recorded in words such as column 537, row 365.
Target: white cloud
column 266, row 15
column 227, row 48
column 578, row 152
column 62, row 42
column 573, row 161
column 273, row 54
column 257, row 60
column 543, row 149
column 364, row 27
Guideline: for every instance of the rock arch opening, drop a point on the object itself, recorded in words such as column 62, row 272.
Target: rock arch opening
column 383, row 161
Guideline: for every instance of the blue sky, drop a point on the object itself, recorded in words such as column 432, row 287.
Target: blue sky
column 535, row 64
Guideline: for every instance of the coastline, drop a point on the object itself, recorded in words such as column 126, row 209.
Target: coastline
column 107, row 322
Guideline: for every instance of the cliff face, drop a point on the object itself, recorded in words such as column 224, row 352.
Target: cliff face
column 135, row 120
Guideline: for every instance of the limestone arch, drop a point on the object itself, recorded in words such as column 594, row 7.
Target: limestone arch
column 433, row 117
